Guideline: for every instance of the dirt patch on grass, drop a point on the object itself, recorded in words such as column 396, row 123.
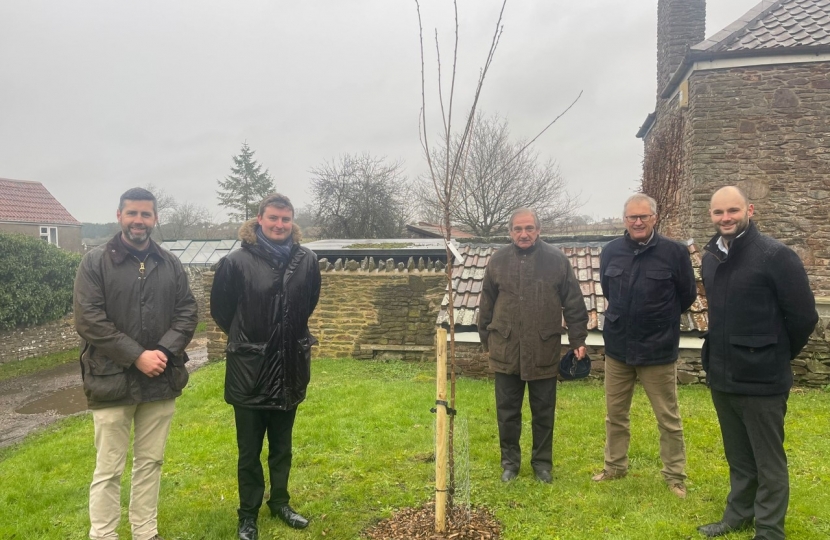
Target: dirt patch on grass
column 419, row 524
column 55, row 393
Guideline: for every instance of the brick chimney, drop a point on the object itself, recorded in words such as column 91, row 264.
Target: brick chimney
column 680, row 24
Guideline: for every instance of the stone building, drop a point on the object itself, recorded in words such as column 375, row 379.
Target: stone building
column 755, row 101
column 28, row 208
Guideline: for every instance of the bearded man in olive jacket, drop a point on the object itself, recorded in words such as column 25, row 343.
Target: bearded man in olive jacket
column 135, row 314
column 262, row 297
column 528, row 286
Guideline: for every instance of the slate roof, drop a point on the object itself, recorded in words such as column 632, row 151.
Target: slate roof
column 584, row 257
column 773, row 25
column 22, row 201
column 431, row 230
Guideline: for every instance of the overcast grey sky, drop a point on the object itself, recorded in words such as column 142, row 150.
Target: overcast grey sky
column 99, row 96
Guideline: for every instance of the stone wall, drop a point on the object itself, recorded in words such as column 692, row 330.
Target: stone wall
column 810, row 369
column 200, row 292
column 377, row 314
column 49, row 338
column 765, row 129
column 366, row 313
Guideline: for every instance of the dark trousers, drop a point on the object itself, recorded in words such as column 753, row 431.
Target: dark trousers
column 510, row 392
column 251, row 426
column 753, row 440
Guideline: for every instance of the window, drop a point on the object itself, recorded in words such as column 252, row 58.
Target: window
column 49, row 235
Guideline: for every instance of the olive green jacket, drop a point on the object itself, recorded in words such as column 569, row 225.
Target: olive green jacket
column 524, row 296
column 120, row 312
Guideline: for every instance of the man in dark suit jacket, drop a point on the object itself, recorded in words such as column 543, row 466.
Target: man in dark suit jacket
column 761, row 314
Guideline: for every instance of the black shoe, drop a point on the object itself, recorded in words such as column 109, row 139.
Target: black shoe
column 247, row 529
column 544, row 476
column 721, row 528
column 290, row 517
column 508, row 475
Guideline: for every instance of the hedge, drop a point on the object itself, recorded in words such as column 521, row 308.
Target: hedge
column 36, row 281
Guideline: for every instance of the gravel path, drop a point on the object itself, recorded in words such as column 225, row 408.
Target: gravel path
column 33, row 401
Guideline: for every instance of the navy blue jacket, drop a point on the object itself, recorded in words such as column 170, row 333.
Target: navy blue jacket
column 761, row 314
column 646, row 289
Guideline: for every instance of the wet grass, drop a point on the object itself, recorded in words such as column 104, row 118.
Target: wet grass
column 363, row 443
column 27, row 366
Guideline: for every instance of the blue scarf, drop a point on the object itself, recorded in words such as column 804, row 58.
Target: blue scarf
column 278, row 252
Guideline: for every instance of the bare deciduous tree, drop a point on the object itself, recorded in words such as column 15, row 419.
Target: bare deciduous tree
column 446, row 165
column 360, row 196
column 498, row 176
column 165, row 203
column 663, row 169
column 188, row 220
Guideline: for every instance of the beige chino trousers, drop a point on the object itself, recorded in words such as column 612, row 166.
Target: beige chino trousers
column 660, row 385
column 112, row 440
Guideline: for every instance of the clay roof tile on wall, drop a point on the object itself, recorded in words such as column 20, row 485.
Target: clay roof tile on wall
column 469, row 276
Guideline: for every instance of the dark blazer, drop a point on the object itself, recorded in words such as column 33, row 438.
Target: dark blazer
column 761, row 314
column 646, row 289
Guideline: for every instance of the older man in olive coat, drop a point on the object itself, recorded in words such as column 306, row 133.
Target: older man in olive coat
column 527, row 287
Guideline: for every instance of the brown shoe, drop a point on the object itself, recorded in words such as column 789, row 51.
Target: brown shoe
column 608, row 475
column 679, row 489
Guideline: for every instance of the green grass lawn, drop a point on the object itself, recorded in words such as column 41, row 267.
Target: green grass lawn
column 40, row 363
column 362, row 449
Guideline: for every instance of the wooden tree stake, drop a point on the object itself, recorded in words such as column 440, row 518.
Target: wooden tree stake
column 441, row 432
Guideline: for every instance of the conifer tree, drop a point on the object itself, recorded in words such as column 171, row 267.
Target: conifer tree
column 245, row 187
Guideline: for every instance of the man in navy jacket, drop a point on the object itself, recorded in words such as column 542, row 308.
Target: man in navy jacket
column 761, row 314
column 648, row 281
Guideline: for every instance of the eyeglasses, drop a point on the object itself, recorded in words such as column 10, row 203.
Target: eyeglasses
column 643, row 218
column 528, row 229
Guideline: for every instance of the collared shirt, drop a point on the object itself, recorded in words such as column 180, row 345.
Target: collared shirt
column 650, row 238
column 722, row 245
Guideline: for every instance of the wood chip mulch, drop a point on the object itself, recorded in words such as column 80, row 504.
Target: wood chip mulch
column 419, row 524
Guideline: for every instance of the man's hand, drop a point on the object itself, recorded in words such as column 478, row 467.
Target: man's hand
column 152, row 363
column 580, row 352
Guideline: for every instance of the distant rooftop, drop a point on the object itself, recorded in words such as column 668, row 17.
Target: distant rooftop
column 200, row 252
column 23, row 201
column 431, row 230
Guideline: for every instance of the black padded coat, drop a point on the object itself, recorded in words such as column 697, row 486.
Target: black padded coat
column 264, row 310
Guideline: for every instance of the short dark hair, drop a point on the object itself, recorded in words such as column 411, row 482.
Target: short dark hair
column 137, row 194
column 276, row 200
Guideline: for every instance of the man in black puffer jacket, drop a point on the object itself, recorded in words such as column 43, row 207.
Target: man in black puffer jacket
column 262, row 297
column 761, row 314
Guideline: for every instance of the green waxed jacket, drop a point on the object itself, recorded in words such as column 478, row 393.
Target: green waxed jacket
column 120, row 313
column 524, row 296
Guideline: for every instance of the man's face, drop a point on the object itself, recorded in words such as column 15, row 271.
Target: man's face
column 276, row 223
column 137, row 220
column 639, row 220
column 729, row 212
column 524, row 231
